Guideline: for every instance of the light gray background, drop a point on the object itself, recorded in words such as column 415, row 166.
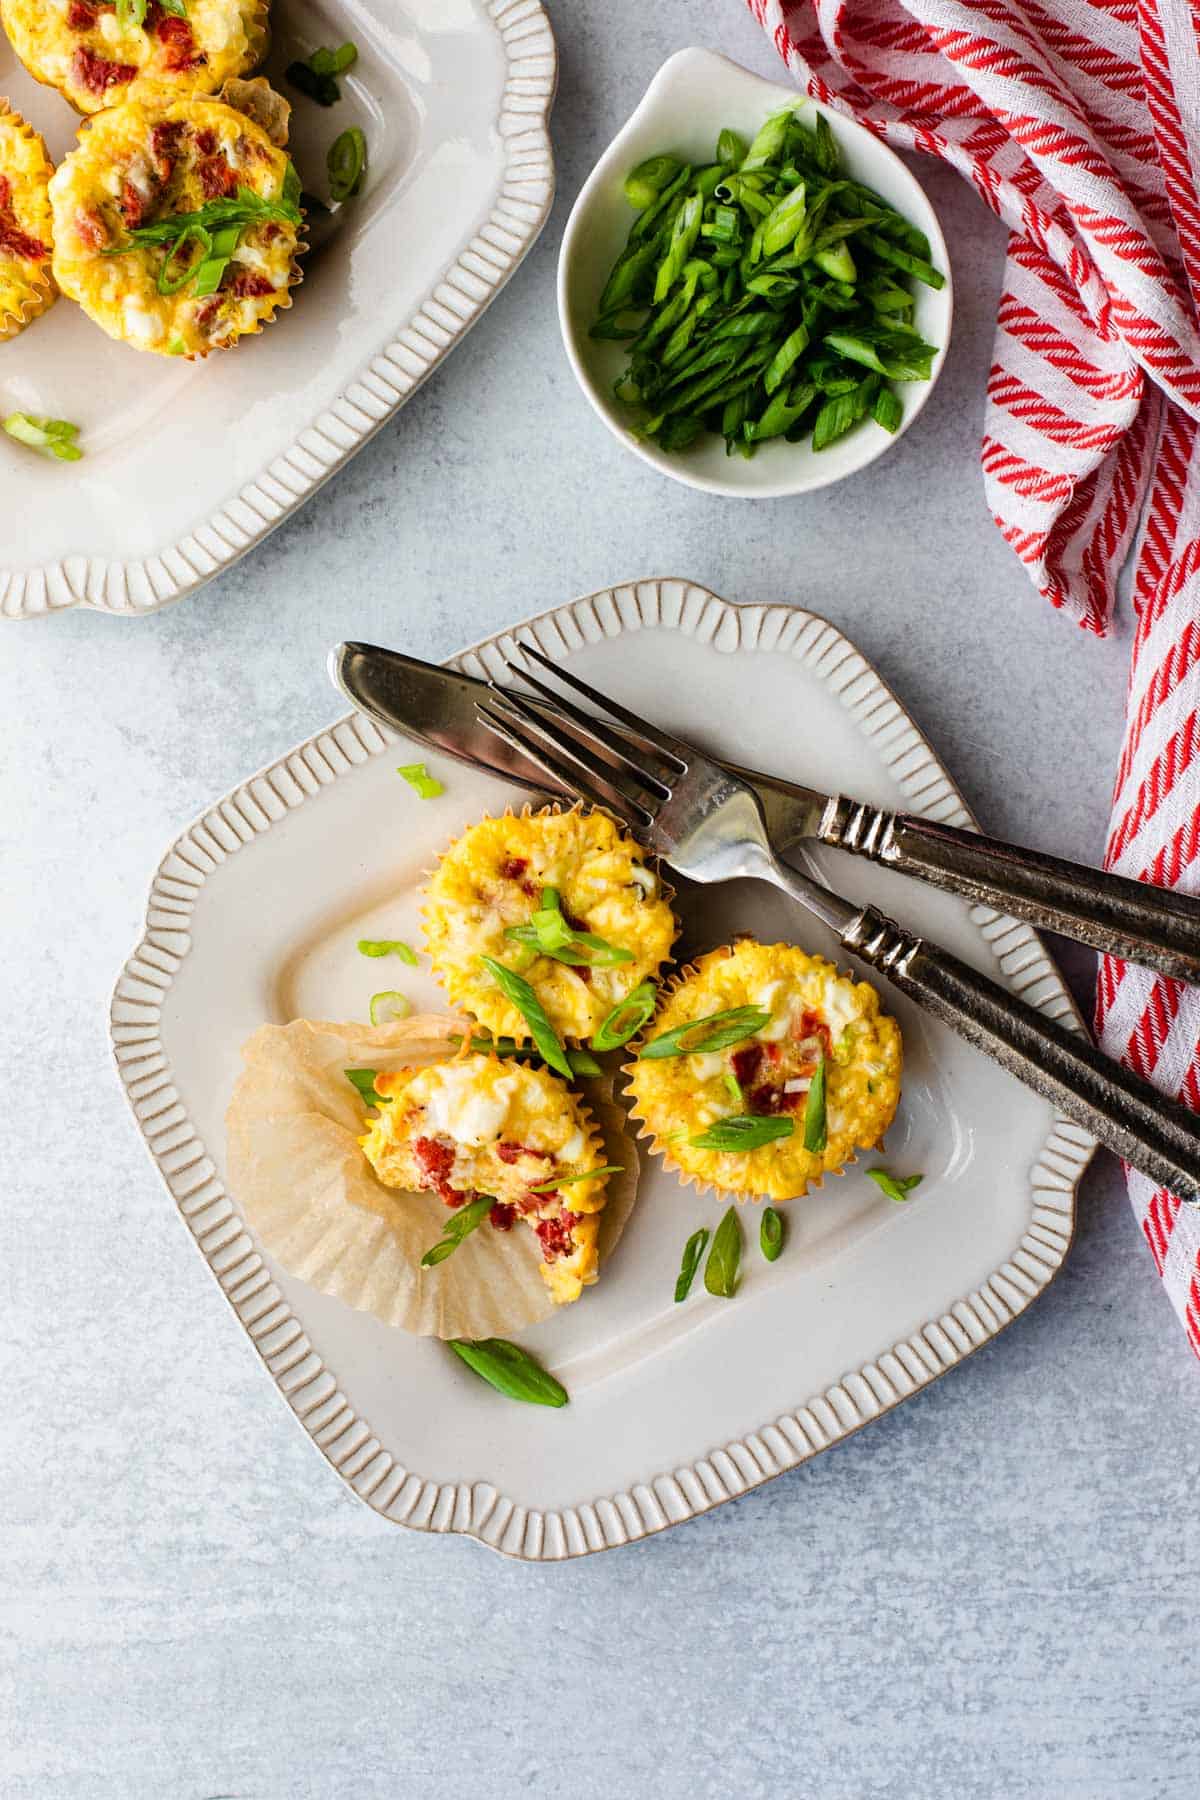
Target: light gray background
column 991, row 1592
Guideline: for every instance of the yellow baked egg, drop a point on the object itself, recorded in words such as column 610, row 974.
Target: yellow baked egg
column 26, row 287
column 477, row 1126
column 565, row 900
column 99, row 54
column 176, row 225
column 765, row 1070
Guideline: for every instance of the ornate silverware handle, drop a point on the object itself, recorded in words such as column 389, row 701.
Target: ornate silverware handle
column 1147, row 925
column 1154, row 1133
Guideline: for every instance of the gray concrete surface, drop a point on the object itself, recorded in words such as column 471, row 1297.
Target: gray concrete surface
column 991, row 1592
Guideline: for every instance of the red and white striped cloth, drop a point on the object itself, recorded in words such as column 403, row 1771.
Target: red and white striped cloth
column 1078, row 123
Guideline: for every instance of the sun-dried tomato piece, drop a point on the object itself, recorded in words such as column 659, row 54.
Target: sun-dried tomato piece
column 81, row 16
column 216, row 177
column 90, row 228
column 247, row 285
column 513, row 867
column 12, row 238
column 509, row 1152
column 554, row 1235
column 96, row 74
column 503, row 1216
column 179, row 45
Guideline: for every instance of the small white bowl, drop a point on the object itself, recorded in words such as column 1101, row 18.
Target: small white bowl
column 693, row 97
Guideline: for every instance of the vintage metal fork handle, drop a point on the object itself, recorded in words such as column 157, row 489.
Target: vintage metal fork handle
column 1148, row 925
column 1153, row 1132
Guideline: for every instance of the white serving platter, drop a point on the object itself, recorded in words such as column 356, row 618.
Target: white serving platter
column 188, row 465
column 254, row 914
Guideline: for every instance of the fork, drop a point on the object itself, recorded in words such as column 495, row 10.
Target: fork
column 708, row 824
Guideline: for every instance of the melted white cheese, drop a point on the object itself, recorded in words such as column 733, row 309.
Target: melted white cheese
column 143, row 327
column 574, row 1147
column 459, row 1109
column 840, row 1009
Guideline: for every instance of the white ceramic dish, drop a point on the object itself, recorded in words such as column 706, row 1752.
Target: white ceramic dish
column 694, row 95
column 454, row 97
column 254, row 914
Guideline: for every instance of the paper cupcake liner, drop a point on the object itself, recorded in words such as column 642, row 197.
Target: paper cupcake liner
column 304, row 1186
column 41, row 291
column 461, row 992
column 664, row 1147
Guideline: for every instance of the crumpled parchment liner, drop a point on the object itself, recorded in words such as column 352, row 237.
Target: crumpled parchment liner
column 303, row 1185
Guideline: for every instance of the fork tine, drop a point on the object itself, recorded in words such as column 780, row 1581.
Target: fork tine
column 525, row 733
column 649, row 735
column 592, row 728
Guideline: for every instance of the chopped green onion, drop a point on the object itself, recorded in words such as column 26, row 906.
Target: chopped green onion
column 517, row 990
column 724, row 1259
column 423, row 784
column 734, row 1089
column 583, row 1062
column 510, row 1370
column 364, row 1081
column 388, row 1006
column 644, row 184
column 549, row 1187
column 693, row 1250
column 52, row 437
column 746, row 1131
column 738, row 287
column 458, row 1226
column 816, row 1128
column 388, row 947
column 770, row 1234
column 170, row 283
column 717, row 1031
column 896, row 1187
column 887, row 410
column 627, row 1017
column 347, row 164
column 333, row 62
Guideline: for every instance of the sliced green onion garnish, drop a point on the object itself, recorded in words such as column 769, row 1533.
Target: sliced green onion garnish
column 364, row 1081
column 583, row 1062
column 510, row 1370
column 693, row 1250
column 333, row 62
column 896, row 1187
column 423, row 784
column 747, row 1131
column 53, row 437
column 725, row 1257
column 388, row 947
column 516, row 989
column 548, row 1187
column 458, row 1226
column 770, row 1234
column 170, row 278
column 715, row 1031
column 734, row 1089
column 316, row 77
column 347, row 164
column 627, row 1017
column 388, row 1006
column 816, row 1133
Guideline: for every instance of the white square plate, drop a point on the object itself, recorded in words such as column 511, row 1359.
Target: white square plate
column 254, row 915
column 187, row 465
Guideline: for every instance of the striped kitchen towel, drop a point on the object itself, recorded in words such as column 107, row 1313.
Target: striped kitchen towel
column 1078, row 123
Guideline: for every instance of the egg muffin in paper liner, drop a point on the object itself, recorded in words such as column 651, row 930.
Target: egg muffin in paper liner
column 26, row 231
column 325, row 1183
column 492, row 879
column 812, row 1016
column 177, row 224
column 99, row 54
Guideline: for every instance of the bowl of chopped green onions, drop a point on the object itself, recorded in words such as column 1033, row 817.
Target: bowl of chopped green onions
column 754, row 291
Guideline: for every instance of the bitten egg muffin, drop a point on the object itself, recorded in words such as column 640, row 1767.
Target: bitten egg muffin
column 494, row 878
column 479, row 1126
column 98, row 54
column 26, row 286
column 176, row 225
column 806, row 1017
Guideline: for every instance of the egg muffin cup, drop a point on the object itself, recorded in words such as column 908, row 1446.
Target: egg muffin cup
column 80, row 49
column 862, row 1083
column 151, row 162
column 464, row 1129
column 26, row 234
column 575, row 1004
